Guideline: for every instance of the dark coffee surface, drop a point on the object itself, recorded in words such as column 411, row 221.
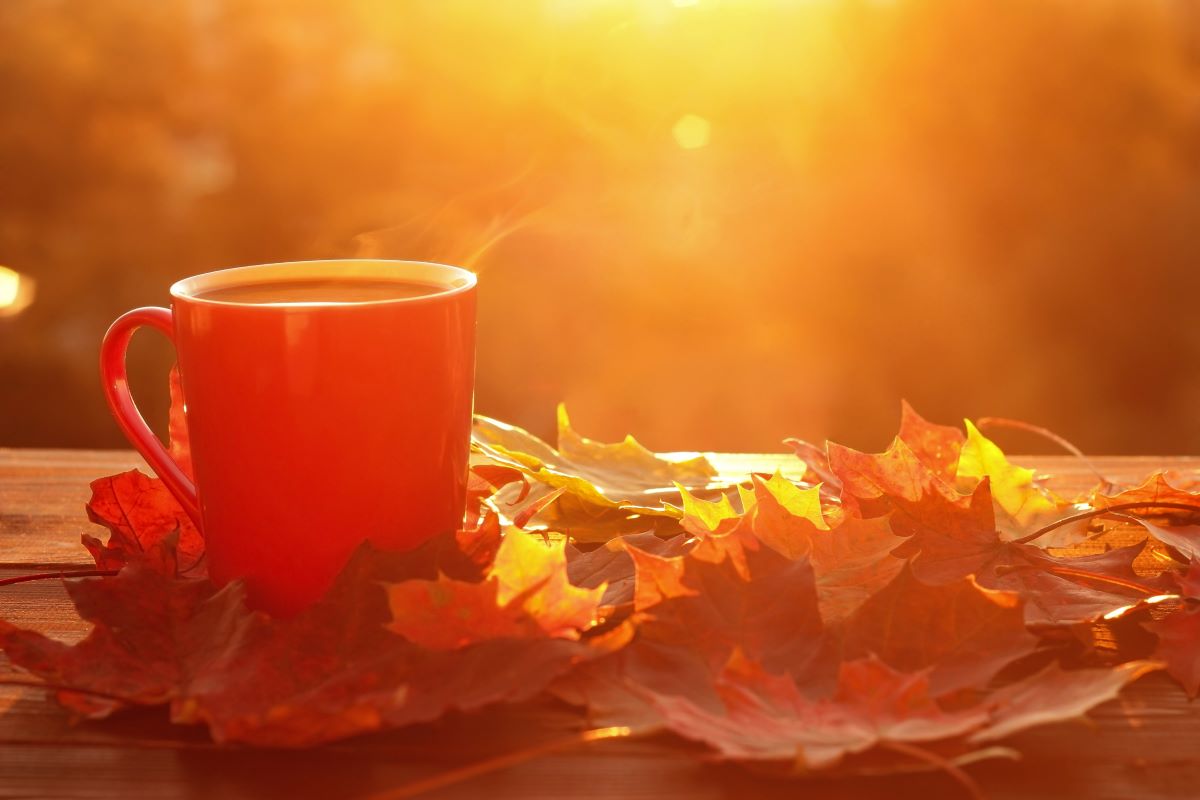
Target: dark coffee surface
column 320, row 290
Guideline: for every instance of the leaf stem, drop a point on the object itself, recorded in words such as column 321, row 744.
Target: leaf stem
column 1045, row 433
column 451, row 777
column 1071, row 572
column 1098, row 512
column 43, row 576
column 929, row 757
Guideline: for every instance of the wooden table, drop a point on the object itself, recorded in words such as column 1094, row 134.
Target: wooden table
column 1144, row 745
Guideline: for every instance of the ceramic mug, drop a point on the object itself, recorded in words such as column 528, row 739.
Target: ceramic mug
column 315, row 423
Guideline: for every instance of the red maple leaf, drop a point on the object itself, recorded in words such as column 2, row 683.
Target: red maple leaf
column 140, row 512
column 964, row 634
column 938, row 446
column 697, row 614
column 331, row 671
column 875, row 480
column 768, row 718
column 612, row 564
column 527, row 594
column 947, row 542
column 1179, row 633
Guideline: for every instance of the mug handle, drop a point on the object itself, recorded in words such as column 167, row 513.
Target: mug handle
column 120, row 401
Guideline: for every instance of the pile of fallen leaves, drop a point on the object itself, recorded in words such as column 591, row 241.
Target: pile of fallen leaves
column 920, row 603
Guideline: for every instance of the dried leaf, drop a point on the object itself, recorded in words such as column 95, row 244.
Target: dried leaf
column 534, row 573
column 947, row 543
column 1024, row 505
column 896, row 473
column 963, row 633
column 1179, row 645
column 767, row 717
column 140, row 513
column 1054, row 695
column 611, row 564
column 623, row 476
column 938, row 446
column 852, row 562
column 330, row 672
column 786, row 625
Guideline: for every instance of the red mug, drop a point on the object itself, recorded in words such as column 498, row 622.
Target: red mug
column 314, row 425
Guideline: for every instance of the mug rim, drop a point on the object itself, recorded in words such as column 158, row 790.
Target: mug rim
column 446, row 281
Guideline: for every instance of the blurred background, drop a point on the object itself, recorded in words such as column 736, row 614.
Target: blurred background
column 710, row 223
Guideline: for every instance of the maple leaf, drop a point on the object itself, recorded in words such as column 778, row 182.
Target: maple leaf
column 947, row 543
column 875, row 480
column 611, row 564
column 771, row 613
column 139, row 618
column 623, row 476
column 659, row 578
column 329, row 672
column 527, row 594
column 1054, row 695
column 703, row 518
column 140, row 512
column 767, row 718
column 483, row 482
column 579, row 520
column 938, row 446
column 1170, row 525
column 946, row 540
column 695, row 614
column 1189, row 582
column 1179, row 646
column 535, row 572
column 783, row 516
column 447, row 614
column 920, row 460
column 816, row 463
column 1021, row 504
column 1179, row 633
column 850, row 561
column 637, row 463
column 965, row 634
column 1155, row 489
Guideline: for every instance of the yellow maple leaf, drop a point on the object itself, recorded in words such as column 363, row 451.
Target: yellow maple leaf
column 1013, row 489
column 804, row 503
column 704, row 516
column 534, row 572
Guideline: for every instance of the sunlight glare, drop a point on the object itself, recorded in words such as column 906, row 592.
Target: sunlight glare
column 691, row 131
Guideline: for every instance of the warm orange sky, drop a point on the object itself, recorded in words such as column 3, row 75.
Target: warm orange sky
column 713, row 224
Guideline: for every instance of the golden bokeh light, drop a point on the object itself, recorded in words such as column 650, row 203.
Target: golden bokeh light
column 16, row 292
column 742, row 219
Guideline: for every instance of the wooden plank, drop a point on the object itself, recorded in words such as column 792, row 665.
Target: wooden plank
column 42, row 498
column 1074, row 762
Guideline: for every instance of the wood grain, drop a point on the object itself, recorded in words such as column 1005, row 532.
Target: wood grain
column 1144, row 745
column 42, row 497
